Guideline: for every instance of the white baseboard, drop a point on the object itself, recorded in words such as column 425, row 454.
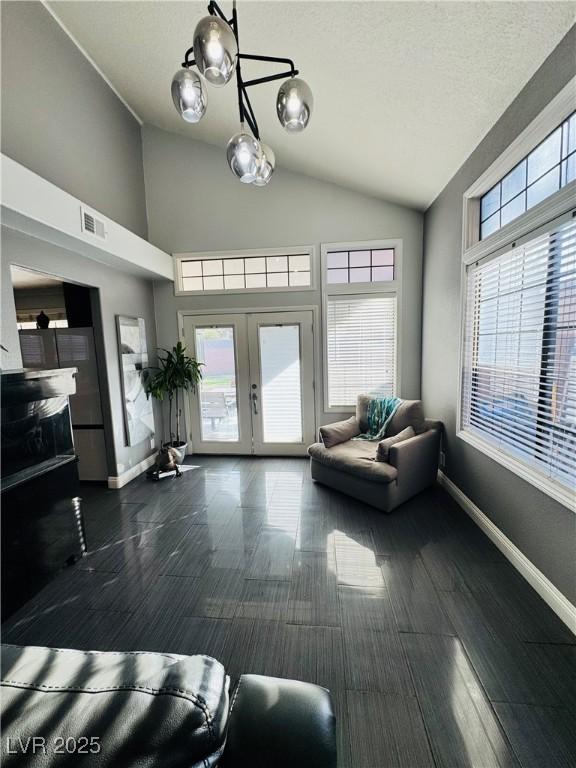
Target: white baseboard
column 561, row 606
column 118, row 481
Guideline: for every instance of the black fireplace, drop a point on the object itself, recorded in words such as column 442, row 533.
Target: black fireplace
column 42, row 528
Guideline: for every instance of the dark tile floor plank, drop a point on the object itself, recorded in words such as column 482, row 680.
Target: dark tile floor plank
column 215, row 594
column 255, row 646
column 386, row 730
column 264, row 600
column 505, row 668
column 366, row 608
column 557, row 663
column 273, row 555
column 356, row 564
column 242, row 529
column 541, row 737
column 316, row 526
column 510, row 604
column 462, row 727
column 314, row 654
column 417, row 606
column 375, row 661
column 313, row 598
column 342, row 729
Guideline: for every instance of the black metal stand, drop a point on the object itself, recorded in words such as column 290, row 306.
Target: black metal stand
column 244, row 105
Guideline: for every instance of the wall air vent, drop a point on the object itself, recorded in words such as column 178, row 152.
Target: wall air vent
column 92, row 226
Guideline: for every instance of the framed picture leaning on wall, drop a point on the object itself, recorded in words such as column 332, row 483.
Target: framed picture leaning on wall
column 133, row 352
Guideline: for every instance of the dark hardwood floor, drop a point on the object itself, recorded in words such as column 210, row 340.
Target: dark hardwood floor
column 436, row 651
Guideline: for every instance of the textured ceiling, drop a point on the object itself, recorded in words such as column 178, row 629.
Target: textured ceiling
column 404, row 91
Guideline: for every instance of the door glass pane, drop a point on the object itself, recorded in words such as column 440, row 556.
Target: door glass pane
column 280, row 391
column 217, row 391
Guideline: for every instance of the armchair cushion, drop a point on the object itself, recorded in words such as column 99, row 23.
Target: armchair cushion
column 383, row 450
column 355, row 457
column 409, row 413
column 339, row 432
column 362, row 411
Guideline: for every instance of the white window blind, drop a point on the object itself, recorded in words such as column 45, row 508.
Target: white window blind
column 361, row 347
column 519, row 374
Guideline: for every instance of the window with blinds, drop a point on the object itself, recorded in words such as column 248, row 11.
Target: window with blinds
column 519, row 366
column 360, row 347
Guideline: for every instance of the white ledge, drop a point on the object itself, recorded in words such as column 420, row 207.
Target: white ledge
column 36, row 207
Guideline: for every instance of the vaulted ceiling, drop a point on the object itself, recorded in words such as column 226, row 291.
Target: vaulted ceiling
column 404, row 91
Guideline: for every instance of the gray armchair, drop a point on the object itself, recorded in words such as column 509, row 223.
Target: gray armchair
column 351, row 466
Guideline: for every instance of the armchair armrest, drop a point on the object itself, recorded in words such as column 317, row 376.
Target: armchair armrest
column 339, row 432
column 280, row 723
column 417, row 457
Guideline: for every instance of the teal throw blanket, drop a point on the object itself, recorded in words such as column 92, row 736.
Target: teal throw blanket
column 380, row 411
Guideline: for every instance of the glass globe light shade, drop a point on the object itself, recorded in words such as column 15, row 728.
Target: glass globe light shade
column 189, row 95
column 244, row 157
column 215, row 50
column 266, row 167
column 294, row 104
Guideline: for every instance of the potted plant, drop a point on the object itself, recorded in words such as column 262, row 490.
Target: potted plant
column 175, row 373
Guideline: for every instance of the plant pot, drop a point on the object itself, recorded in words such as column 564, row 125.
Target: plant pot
column 180, row 449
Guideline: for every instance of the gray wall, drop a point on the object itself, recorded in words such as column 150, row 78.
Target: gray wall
column 543, row 529
column 120, row 294
column 62, row 121
column 195, row 204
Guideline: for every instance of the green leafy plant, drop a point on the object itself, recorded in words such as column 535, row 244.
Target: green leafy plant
column 175, row 373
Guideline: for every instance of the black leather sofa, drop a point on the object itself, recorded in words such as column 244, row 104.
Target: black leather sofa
column 64, row 707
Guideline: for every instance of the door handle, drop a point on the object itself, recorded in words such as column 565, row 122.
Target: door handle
column 254, row 398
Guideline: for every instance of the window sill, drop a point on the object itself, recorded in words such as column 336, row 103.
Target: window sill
column 531, row 475
column 339, row 409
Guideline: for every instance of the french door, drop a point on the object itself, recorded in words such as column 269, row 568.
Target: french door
column 257, row 390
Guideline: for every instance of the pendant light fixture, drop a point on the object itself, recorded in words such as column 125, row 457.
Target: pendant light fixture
column 216, row 54
column 189, row 95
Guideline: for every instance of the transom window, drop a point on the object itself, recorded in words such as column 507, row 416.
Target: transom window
column 548, row 168
column 360, row 266
column 233, row 272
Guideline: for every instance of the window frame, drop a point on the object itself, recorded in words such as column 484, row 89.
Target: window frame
column 549, row 213
column 473, row 249
column 527, row 184
column 388, row 288
column 305, row 250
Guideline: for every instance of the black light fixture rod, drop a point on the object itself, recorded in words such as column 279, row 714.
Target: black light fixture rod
column 188, row 62
column 253, row 57
column 239, row 83
column 249, row 115
column 215, row 10
column 269, row 79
